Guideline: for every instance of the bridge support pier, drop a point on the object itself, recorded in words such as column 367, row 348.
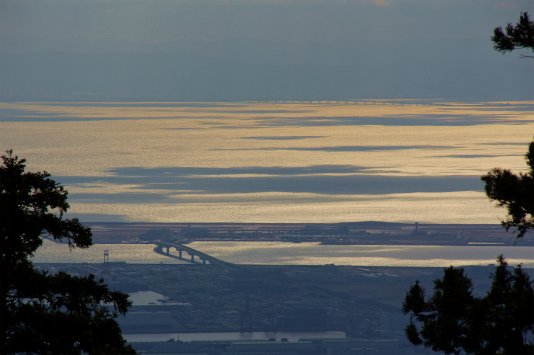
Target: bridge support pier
column 180, row 254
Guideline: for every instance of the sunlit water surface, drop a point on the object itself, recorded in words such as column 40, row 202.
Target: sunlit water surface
column 258, row 162
column 279, row 253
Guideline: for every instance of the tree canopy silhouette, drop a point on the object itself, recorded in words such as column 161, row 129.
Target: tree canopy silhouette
column 40, row 312
column 520, row 35
column 516, row 193
column 454, row 321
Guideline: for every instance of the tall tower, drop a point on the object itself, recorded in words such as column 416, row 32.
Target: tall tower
column 105, row 269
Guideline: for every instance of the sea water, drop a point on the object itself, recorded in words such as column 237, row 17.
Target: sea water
column 280, row 253
column 272, row 163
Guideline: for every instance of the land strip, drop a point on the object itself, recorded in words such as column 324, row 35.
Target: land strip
column 355, row 233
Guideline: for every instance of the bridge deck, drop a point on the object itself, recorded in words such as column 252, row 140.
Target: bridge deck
column 190, row 251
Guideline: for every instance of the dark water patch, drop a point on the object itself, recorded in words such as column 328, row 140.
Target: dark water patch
column 341, row 148
column 16, row 115
column 364, row 148
column 401, row 120
column 137, row 104
column 508, row 107
column 316, row 179
column 253, row 111
column 256, row 170
column 284, row 138
column 514, row 144
column 20, row 115
column 324, row 184
column 471, row 156
column 33, row 117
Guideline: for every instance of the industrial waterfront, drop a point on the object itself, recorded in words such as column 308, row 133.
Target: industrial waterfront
column 212, row 301
column 356, row 244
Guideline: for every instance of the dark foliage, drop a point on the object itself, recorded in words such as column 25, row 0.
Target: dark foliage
column 41, row 313
column 516, row 192
column 516, row 36
column 454, row 321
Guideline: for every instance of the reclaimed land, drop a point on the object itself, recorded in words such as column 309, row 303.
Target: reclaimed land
column 363, row 302
column 355, row 233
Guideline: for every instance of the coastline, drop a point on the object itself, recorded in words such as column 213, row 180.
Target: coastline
column 350, row 233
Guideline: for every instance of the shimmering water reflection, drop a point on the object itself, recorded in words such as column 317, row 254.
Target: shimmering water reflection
column 51, row 252
column 272, row 163
column 279, row 253
column 276, row 253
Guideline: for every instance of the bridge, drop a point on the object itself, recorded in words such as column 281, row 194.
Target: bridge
column 164, row 248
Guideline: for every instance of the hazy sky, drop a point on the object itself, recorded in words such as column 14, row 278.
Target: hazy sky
column 231, row 50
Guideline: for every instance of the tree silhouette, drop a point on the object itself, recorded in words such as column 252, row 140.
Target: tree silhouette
column 454, row 321
column 43, row 313
column 510, row 190
column 516, row 193
column 517, row 36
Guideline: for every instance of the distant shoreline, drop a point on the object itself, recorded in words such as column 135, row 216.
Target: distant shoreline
column 351, row 233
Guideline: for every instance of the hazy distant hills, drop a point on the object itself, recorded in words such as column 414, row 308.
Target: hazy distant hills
column 236, row 70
